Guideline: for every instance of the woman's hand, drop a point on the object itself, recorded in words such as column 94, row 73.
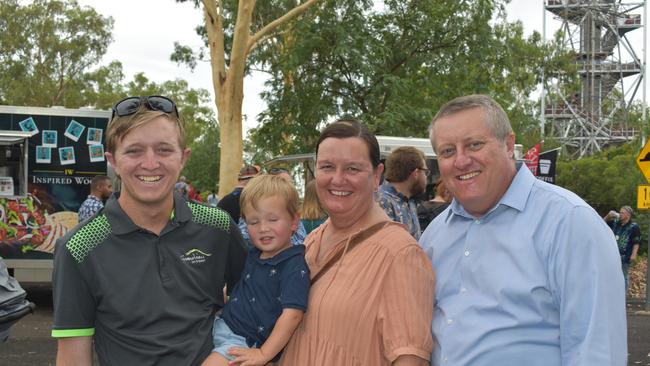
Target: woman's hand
column 248, row 356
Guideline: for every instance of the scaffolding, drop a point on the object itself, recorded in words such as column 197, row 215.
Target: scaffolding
column 610, row 71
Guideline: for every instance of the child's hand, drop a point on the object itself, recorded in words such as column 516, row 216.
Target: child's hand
column 248, row 357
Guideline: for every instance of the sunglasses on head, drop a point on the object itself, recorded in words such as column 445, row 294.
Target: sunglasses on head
column 130, row 105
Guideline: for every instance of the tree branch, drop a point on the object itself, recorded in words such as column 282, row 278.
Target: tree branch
column 276, row 23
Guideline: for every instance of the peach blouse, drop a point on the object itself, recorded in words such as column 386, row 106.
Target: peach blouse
column 372, row 306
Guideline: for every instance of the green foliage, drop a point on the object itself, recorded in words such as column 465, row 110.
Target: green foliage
column 393, row 68
column 204, row 161
column 46, row 50
column 49, row 51
column 607, row 181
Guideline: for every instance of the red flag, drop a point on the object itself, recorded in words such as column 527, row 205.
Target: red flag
column 532, row 158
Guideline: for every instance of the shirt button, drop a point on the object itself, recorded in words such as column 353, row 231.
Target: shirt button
column 445, row 360
column 478, row 222
column 467, row 253
column 463, row 290
column 449, row 321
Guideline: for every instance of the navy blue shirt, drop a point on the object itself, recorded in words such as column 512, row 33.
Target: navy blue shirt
column 627, row 236
column 266, row 287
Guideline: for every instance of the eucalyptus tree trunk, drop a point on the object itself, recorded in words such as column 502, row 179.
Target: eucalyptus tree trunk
column 228, row 79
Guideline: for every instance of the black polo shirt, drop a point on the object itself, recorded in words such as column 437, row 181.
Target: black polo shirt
column 146, row 299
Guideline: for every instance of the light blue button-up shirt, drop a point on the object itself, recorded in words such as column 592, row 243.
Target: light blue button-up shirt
column 535, row 281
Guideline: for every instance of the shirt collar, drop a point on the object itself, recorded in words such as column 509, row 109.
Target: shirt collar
column 387, row 187
column 292, row 251
column 121, row 223
column 515, row 197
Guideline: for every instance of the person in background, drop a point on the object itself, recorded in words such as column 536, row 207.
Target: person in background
column 197, row 196
column 528, row 273
column 628, row 238
column 428, row 210
column 100, row 189
column 142, row 279
column 230, row 202
column 311, row 213
column 406, row 177
column 371, row 296
column 253, row 332
column 191, row 191
column 182, row 187
column 212, row 199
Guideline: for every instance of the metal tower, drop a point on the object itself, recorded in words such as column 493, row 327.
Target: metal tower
column 610, row 74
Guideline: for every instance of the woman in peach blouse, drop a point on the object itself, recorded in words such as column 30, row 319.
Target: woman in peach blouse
column 371, row 300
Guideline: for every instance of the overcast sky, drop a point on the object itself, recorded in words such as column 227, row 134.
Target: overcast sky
column 145, row 30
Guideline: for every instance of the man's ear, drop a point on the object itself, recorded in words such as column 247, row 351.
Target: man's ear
column 510, row 144
column 186, row 155
column 111, row 160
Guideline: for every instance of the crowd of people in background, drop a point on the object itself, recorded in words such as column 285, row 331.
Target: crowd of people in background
column 383, row 262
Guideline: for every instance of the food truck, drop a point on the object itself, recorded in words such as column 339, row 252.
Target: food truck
column 48, row 157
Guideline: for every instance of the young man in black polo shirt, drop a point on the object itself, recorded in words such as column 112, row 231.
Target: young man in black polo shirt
column 143, row 278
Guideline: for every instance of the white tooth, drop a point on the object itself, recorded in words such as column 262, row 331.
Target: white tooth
column 340, row 193
column 468, row 176
column 150, row 179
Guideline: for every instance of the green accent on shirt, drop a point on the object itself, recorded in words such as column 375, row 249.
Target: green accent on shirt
column 88, row 237
column 210, row 216
column 66, row 333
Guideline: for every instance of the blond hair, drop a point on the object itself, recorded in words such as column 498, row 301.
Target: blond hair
column 267, row 185
column 120, row 127
column 311, row 208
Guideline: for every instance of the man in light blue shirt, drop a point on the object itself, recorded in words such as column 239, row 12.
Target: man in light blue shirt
column 527, row 272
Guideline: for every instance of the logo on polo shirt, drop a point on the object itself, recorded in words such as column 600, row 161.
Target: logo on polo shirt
column 194, row 256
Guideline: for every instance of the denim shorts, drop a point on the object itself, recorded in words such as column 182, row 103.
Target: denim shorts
column 224, row 338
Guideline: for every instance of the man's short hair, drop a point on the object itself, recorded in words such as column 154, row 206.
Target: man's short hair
column 119, row 127
column 267, row 185
column 402, row 162
column 495, row 117
column 98, row 180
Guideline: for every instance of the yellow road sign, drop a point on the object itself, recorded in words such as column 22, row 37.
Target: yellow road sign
column 643, row 197
column 643, row 161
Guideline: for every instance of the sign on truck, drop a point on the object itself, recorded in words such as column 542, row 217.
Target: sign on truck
column 48, row 156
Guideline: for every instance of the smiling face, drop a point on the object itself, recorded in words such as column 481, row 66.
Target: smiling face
column 270, row 225
column 345, row 178
column 149, row 160
column 475, row 166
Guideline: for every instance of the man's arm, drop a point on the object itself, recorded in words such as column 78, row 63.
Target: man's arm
column 636, row 241
column 279, row 337
column 75, row 351
column 611, row 215
column 635, row 249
